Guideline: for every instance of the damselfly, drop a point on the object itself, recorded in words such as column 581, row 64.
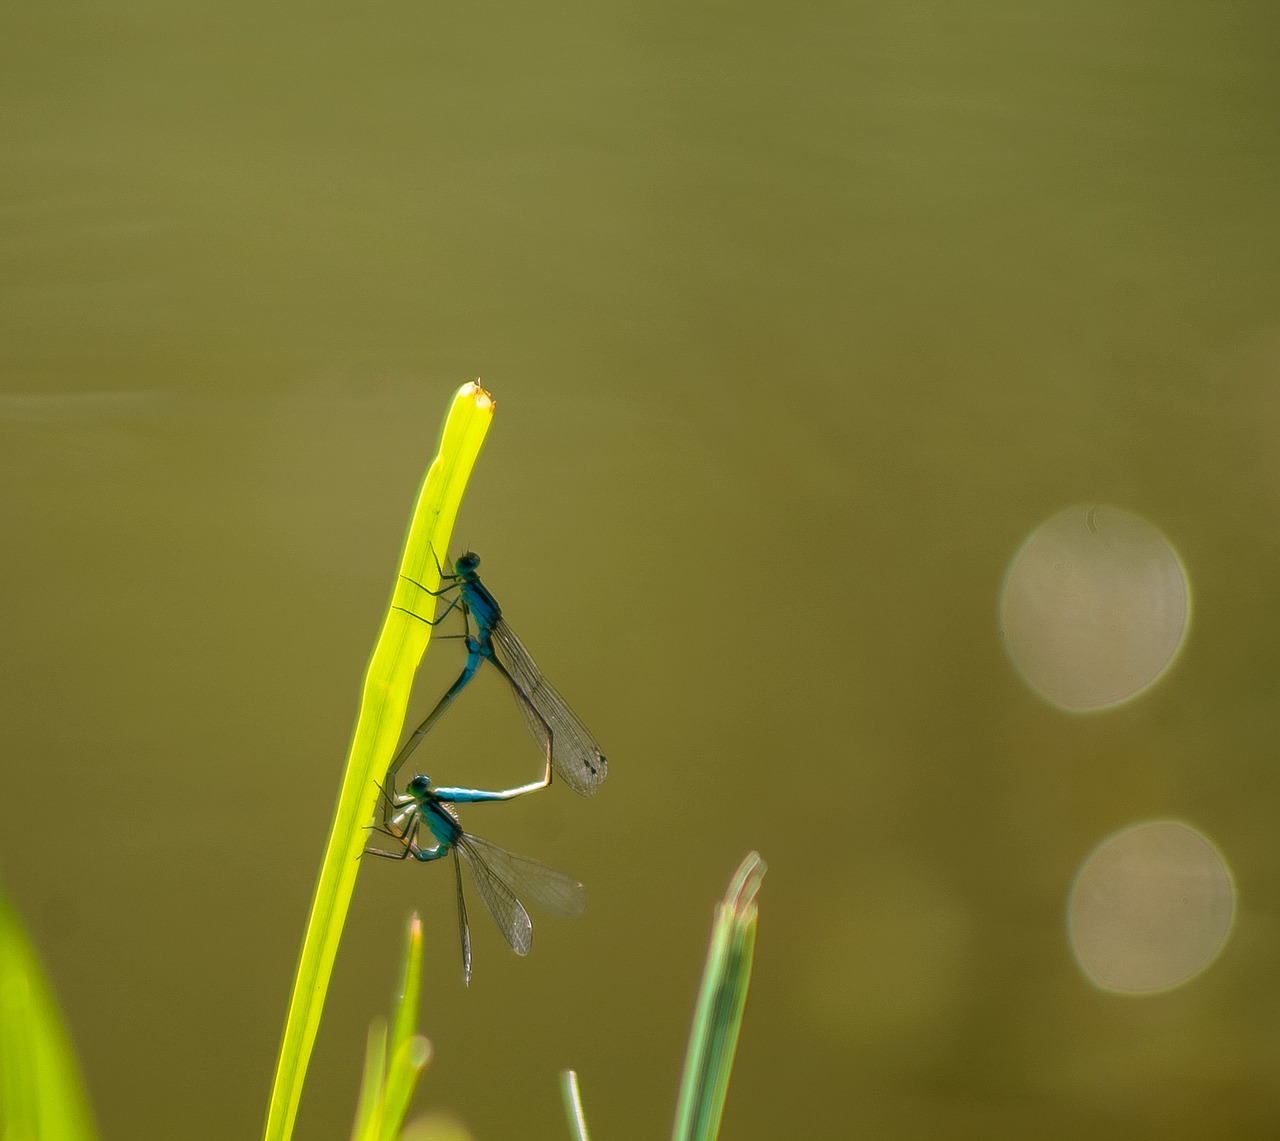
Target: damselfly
column 423, row 812
column 570, row 750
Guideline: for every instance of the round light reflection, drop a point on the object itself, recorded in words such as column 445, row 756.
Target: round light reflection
column 1150, row 909
column 1094, row 608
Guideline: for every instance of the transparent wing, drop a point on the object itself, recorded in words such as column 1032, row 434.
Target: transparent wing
column 500, row 874
column 464, row 931
column 549, row 889
column 507, row 911
column 575, row 756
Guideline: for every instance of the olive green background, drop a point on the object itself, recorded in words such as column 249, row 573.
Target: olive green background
column 799, row 318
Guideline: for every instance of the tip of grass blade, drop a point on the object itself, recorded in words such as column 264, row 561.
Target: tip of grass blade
column 745, row 883
column 409, row 1051
column 717, row 1020
column 393, row 1064
column 406, row 1006
column 484, row 399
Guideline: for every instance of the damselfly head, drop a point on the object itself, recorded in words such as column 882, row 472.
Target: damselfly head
column 420, row 785
column 467, row 562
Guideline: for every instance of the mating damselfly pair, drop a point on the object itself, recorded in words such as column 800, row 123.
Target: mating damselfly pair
column 422, row 820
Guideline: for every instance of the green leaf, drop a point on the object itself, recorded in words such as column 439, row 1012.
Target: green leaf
column 44, row 1098
column 409, row 1051
column 402, row 1078
column 368, row 1126
column 396, row 655
column 406, row 1013
column 717, row 1018
column 573, row 1111
column 391, row 1069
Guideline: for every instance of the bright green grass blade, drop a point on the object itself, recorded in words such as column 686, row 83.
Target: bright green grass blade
column 572, row 1098
column 405, row 1015
column 43, row 1097
column 368, row 1126
column 409, row 1051
column 717, row 1017
column 399, row 648
column 392, row 1066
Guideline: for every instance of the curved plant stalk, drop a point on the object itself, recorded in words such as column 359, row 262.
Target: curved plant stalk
column 40, row 1088
column 717, row 1018
column 399, row 648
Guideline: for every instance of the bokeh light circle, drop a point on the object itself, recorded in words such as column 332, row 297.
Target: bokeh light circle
column 1094, row 608
column 1151, row 907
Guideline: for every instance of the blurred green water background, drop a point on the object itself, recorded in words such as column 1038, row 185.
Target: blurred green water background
column 799, row 319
